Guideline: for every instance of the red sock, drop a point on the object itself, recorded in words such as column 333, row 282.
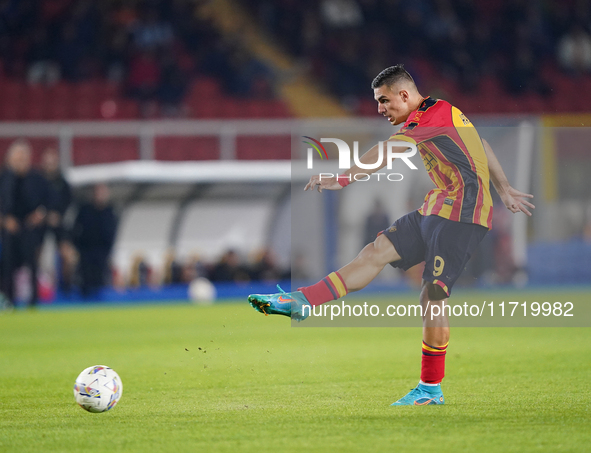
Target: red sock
column 331, row 287
column 433, row 363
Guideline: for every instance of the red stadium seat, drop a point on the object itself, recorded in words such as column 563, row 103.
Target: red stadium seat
column 96, row 150
column 108, row 90
column 514, row 104
column 126, row 109
column 490, row 85
column 205, row 100
column 584, row 84
column 186, row 148
column 35, row 103
column 231, row 108
column 60, row 105
column 425, row 72
column 206, row 87
column 562, row 102
column 280, row 109
column 254, row 109
column 491, row 98
column 86, row 109
column 263, row 147
column 266, row 108
column 206, row 108
column 86, row 100
column 11, row 101
column 534, row 103
column 466, row 103
column 367, row 107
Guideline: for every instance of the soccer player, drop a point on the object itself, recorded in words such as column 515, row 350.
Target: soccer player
column 443, row 233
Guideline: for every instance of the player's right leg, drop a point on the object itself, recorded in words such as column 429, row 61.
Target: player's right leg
column 352, row 277
column 449, row 246
column 435, row 340
column 368, row 263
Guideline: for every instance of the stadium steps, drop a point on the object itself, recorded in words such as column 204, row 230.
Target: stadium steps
column 304, row 96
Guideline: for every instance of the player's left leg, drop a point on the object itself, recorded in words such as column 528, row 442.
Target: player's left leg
column 400, row 245
column 352, row 277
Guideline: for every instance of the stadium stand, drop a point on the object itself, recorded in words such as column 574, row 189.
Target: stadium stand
column 126, row 60
column 492, row 56
column 161, row 59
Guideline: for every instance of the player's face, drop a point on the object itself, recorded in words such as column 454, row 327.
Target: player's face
column 393, row 103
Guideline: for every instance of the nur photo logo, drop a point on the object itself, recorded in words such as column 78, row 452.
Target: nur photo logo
column 386, row 155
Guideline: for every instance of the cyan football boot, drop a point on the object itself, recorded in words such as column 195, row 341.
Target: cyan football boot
column 422, row 395
column 286, row 304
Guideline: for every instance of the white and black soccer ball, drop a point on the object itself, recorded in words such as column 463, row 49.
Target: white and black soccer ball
column 98, row 388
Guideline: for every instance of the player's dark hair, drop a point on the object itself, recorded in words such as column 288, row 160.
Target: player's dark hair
column 391, row 76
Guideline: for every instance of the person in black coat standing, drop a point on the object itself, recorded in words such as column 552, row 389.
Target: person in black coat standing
column 60, row 193
column 94, row 235
column 23, row 205
column 60, row 198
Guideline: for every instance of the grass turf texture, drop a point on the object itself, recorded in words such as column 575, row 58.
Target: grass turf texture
column 225, row 378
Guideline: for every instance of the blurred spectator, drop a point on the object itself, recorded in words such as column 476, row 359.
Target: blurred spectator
column 125, row 42
column 173, row 271
column 240, row 72
column 377, row 220
column 70, row 53
column 24, row 202
column 461, row 40
column 341, row 13
column 150, row 33
column 123, row 14
column 115, row 55
column 94, row 234
column 266, row 268
column 68, row 263
column 574, row 50
column 253, row 77
column 143, row 79
column 59, row 200
column 144, row 76
column 229, row 269
column 140, row 272
column 172, row 90
column 523, row 74
column 60, row 193
column 41, row 58
column 87, row 19
column 193, row 268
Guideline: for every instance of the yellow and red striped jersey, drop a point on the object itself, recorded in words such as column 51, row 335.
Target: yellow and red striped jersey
column 454, row 157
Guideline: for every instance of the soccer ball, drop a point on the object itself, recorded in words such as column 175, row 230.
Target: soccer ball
column 202, row 291
column 98, row 388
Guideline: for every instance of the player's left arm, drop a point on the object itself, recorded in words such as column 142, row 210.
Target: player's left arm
column 513, row 199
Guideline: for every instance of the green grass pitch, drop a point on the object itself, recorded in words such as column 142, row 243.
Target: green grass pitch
column 224, row 378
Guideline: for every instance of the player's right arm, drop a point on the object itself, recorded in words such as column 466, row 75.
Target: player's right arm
column 348, row 175
column 513, row 199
